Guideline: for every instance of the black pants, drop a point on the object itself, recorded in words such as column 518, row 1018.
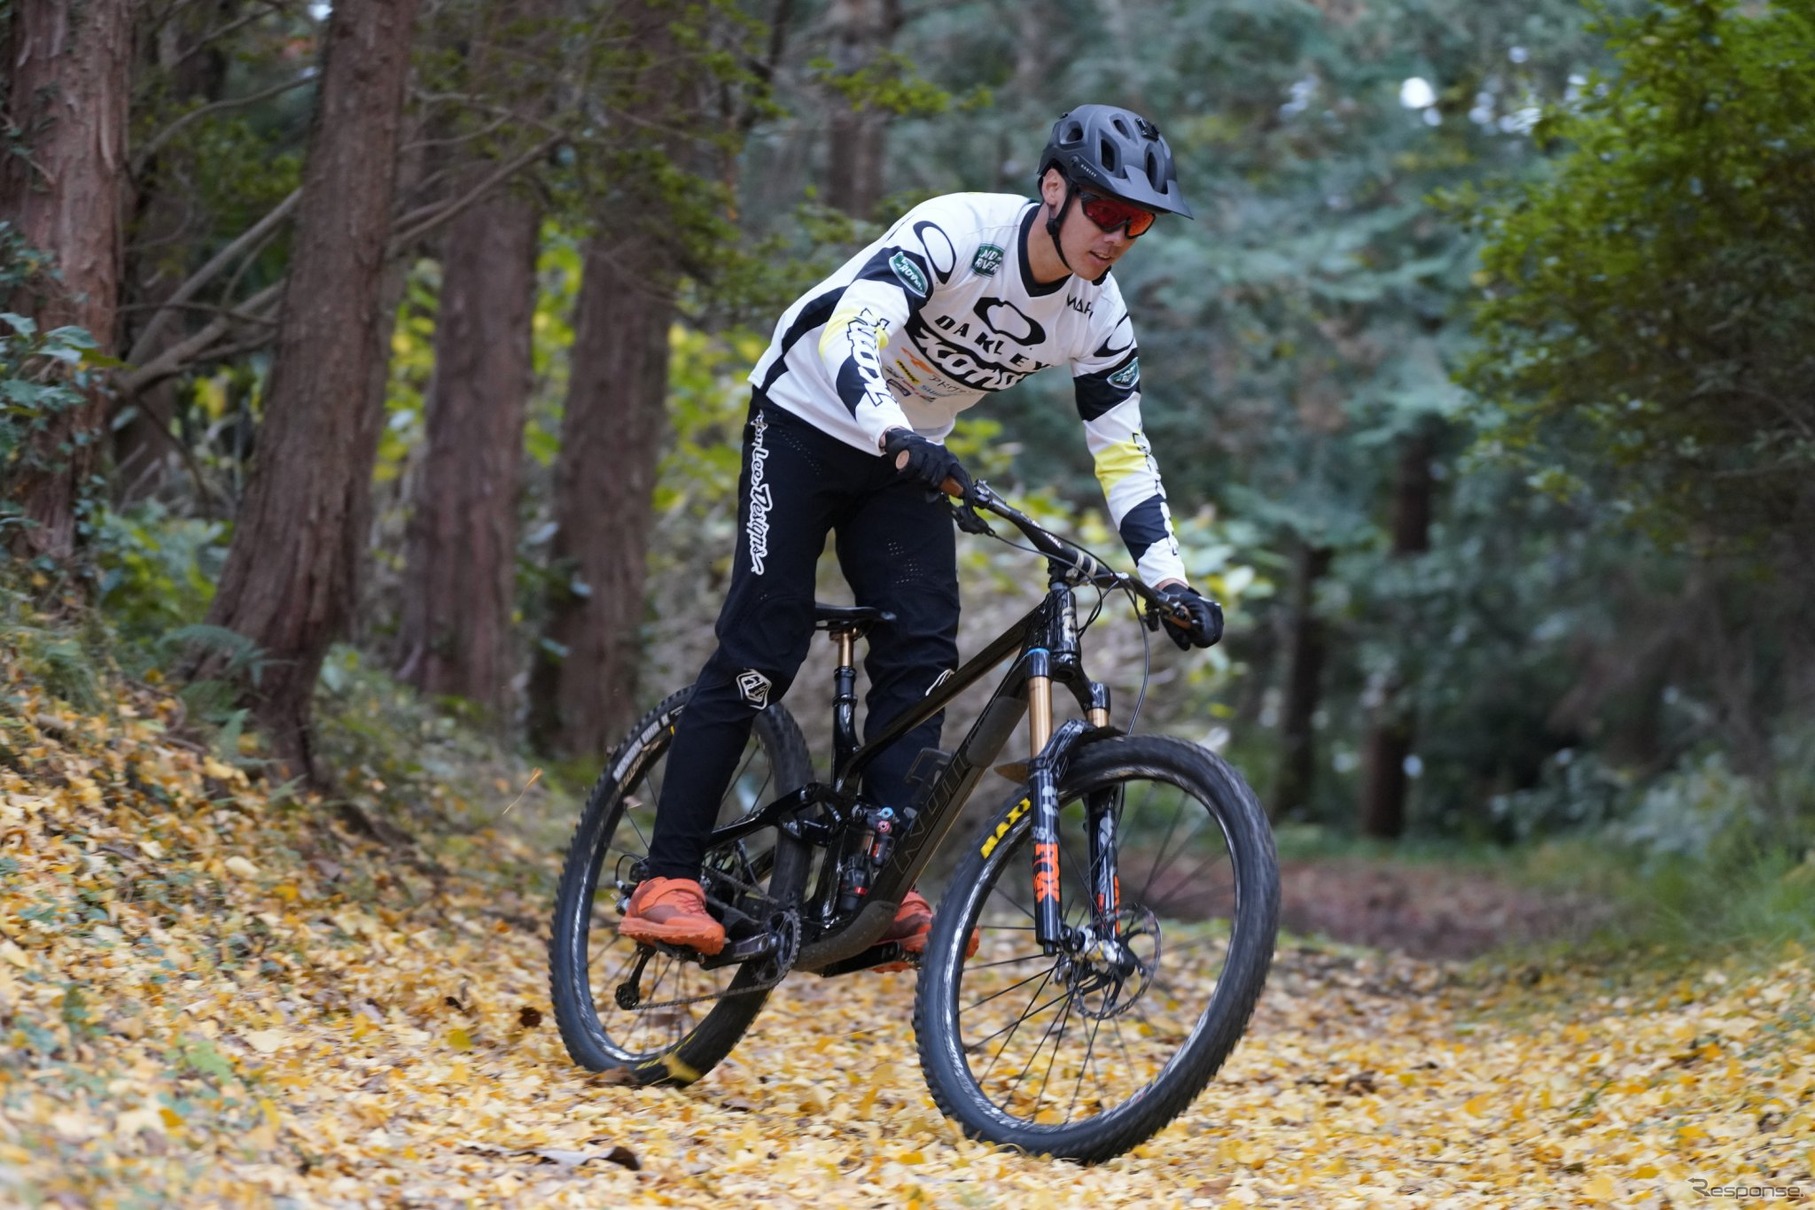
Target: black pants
column 898, row 552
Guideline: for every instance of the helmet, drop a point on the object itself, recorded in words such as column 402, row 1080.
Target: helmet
column 1117, row 151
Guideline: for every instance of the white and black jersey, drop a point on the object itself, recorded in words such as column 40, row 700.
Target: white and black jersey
column 943, row 309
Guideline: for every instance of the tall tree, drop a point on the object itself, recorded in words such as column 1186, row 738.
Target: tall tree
column 459, row 587
column 661, row 205
column 181, row 70
column 861, row 32
column 582, row 687
column 1389, row 743
column 458, row 595
column 290, row 574
column 1306, row 649
column 66, row 89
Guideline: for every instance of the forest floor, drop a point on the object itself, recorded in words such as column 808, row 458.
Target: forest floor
column 211, row 994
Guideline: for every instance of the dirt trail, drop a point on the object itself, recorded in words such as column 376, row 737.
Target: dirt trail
column 1426, row 910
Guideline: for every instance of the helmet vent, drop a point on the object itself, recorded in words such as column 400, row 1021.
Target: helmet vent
column 1119, row 151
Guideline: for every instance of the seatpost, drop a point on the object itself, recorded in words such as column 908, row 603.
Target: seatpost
column 844, row 698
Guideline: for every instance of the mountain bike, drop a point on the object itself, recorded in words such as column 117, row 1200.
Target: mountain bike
column 1123, row 901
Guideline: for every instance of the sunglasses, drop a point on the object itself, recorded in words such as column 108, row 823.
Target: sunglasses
column 1112, row 213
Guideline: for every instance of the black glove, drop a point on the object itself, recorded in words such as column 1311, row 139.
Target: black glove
column 1206, row 618
column 927, row 462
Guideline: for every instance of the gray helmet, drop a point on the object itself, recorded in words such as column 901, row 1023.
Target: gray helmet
column 1116, row 151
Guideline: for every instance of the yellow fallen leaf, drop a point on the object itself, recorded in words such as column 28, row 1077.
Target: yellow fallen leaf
column 152, row 849
column 1476, row 1106
column 1602, row 1188
column 266, row 1041
column 14, row 955
column 459, row 1039
column 242, row 867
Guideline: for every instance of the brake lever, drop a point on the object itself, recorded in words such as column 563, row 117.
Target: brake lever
column 1156, row 614
column 969, row 520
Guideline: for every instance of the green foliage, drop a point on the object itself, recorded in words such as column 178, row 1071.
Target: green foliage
column 43, row 376
column 412, row 366
column 1648, row 303
column 235, row 664
column 892, row 82
column 412, row 762
column 157, row 569
column 65, row 658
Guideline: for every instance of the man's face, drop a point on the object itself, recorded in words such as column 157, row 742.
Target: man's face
column 1088, row 249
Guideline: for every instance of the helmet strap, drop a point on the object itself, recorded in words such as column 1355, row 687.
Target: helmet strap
column 1056, row 220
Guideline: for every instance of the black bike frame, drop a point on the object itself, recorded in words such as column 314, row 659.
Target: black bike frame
column 1045, row 644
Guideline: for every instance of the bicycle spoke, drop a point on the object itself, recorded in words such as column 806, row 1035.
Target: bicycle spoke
column 979, row 1003
column 1056, row 1033
column 1013, row 1027
column 1055, row 1040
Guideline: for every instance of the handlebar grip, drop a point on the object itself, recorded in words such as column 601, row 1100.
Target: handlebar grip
column 953, row 488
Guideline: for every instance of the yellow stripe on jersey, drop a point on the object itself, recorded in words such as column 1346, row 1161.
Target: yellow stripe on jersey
column 844, row 317
column 1121, row 459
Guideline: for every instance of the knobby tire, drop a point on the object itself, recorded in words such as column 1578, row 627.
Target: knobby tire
column 1200, row 903
column 678, row 1042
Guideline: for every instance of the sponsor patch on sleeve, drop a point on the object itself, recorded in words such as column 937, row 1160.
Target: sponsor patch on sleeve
column 1127, row 376
column 987, row 260
column 910, row 275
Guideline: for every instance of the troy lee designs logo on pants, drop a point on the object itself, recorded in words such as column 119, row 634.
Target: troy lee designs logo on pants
column 753, row 687
column 757, row 528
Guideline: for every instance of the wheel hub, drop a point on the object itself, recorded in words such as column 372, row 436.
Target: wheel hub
column 1111, row 968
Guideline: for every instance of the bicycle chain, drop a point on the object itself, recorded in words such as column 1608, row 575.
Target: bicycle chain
column 784, row 962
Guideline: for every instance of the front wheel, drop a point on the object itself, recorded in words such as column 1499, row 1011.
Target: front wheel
column 1090, row 1051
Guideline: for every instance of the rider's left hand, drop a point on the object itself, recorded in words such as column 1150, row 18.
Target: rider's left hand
column 1206, row 625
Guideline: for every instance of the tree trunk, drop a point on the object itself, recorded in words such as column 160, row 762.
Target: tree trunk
column 291, row 572
column 1390, row 744
column 164, row 227
column 1305, row 650
column 610, row 443
column 459, row 586
column 861, row 31
column 64, row 189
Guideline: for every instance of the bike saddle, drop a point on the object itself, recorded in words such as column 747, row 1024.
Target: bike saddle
column 854, row 619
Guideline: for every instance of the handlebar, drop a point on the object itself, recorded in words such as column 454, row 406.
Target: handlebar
column 1091, row 569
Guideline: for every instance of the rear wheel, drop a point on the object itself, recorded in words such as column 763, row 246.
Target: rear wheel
column 665, row 1018
column 1089, row 1052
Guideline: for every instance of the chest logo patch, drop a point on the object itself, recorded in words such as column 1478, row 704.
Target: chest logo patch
column 909, row 274
column 987, row 260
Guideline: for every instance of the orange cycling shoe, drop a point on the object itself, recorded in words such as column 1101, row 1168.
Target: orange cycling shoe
column 673, row 911
column 913, row 922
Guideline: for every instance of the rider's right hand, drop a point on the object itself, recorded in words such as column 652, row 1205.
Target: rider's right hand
column 923, row 461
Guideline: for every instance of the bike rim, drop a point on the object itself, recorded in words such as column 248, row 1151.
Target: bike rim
column 1054, row 1042
column 674, row 994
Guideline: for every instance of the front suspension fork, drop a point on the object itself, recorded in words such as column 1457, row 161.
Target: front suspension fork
column 1052, row 752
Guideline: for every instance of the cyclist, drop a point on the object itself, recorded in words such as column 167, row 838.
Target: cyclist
column 966, row 294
